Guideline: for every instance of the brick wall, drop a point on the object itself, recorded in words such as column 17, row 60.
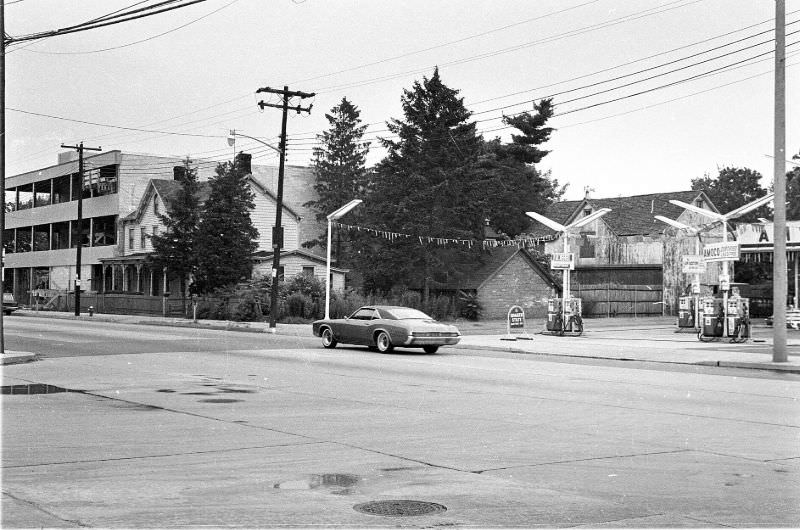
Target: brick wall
column 516, row 283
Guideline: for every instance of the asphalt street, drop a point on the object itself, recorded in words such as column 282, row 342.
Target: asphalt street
column 175, row 427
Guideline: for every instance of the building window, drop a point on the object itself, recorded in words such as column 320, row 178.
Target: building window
column 9, row 240
column 43, row 192
column 587, row 212
column 155, row 205
column 61, row 189
column 11, row 200
column 155, row 234
column 104, row 231
column 25, row 197
column 80, row 233
column 586, row 249
column 24, row 239
column 699, row 203
column 60, row 238
column 130, row 239
column 308, row 271
column 105, row 181
column 142, row 238
column 41, row 237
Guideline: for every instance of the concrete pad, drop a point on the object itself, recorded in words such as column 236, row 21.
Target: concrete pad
column 713, row 490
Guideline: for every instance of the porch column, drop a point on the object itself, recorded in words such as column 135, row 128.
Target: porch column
column 796, row 264
column 164, row 280
column 125, row 277
column 138, row 277
column 151, row 283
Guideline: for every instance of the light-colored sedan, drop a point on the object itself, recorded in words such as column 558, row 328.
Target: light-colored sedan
column 384, row 327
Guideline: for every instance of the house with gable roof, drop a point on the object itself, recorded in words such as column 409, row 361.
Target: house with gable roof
column 130, row 272
column 629, row 251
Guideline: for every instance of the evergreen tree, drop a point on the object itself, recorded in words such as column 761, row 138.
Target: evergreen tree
column 339, row 164
column 424, row 187
column 226, row 237
column 793, row 192
column 175, row 247
column 734, row 187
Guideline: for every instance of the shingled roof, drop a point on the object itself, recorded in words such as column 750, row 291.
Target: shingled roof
column 633, row 215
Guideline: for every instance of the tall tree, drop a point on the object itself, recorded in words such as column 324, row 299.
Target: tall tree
column 513, row 183
column 175, row 247
column 734, row 187
column 339, row 164
column 226, row 237
column 793, row 192
column 424, row 185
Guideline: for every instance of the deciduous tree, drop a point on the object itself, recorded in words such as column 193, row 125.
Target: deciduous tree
column 734, row 187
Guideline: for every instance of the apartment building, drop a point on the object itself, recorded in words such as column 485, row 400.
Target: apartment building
column 42, row 231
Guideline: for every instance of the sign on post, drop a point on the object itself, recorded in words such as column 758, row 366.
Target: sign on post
column 693, row 265
column 728, row 251
column 562, row 261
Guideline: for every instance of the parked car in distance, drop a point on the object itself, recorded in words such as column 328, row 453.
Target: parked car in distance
column 9, row 303
column 384, row 327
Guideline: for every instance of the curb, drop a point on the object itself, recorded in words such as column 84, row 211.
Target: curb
column 17, row 357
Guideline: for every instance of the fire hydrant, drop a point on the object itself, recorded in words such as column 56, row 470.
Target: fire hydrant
column 91, row 310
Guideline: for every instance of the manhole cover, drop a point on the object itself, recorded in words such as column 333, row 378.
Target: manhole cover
column 399, row 508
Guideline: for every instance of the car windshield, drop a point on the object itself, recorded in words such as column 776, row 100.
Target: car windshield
column 405, row 313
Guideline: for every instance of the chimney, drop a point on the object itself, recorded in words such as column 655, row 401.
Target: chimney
column 243, row 162
column 178, row 173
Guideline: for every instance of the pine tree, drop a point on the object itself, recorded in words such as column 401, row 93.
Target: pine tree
column 424, row 187
column 339, row 164
column 226, row 237
column 175, row 247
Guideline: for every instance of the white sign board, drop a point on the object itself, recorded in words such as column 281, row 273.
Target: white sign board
column 562, row 261
column 725, row 282
column 728, row 251
column 693, row 265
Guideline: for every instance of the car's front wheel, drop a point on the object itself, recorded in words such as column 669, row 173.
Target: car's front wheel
column 328, row 340
column 383, row 342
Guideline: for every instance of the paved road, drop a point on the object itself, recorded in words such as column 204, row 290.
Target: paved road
column 224, row 433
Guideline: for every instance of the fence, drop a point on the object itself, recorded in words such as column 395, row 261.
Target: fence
column 611, row 300
column 111, row 303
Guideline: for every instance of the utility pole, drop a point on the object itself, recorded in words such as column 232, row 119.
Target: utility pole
column 80, row 148
column 277, row 230
column 780, row 280
column 2, row 163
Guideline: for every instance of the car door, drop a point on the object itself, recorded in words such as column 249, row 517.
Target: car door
column 357, row 327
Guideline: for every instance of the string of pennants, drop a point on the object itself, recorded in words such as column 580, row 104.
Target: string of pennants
column 485, row 243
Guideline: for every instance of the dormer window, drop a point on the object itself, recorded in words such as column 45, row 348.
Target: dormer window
column 587, row 212
column 699, row 203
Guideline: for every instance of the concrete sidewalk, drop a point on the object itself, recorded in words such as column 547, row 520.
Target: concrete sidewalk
column 652, row 339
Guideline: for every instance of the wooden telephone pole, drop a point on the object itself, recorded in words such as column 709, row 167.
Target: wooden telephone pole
column 80, row 148
column 277, row 230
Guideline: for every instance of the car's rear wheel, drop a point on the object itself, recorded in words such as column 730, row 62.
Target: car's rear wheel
column 383, row 342
column 328, row 340
column 430, row 349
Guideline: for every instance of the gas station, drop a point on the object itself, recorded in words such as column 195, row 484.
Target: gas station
column 714, row 317
column 564, row 315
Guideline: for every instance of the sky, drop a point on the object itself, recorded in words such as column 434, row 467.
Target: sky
column 648, row 94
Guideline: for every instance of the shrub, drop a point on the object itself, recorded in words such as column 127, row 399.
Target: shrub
column 298, row 305
column 469, row 307
column 306, row 284
column 248, row 310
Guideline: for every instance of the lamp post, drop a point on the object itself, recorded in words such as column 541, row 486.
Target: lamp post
column 332, row 217
column 761, row 201
column 277, row 230
column 564, row 229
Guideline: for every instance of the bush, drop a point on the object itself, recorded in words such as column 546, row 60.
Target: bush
column 469, row 307
column 248, row 310
column 306, row 284
column 298, row 305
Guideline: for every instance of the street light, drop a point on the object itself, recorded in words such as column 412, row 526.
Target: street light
column 558, row 227
column 232, row 140
column 332, row 217
column 277, row 230
column 724, row 218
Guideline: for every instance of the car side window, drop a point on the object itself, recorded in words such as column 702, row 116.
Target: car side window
column 363, row 314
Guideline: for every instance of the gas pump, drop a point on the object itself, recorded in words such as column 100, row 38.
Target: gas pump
column 554, row 314
column 686, row 311
column 713, row 319
column 574, row 323
column 738, row 318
